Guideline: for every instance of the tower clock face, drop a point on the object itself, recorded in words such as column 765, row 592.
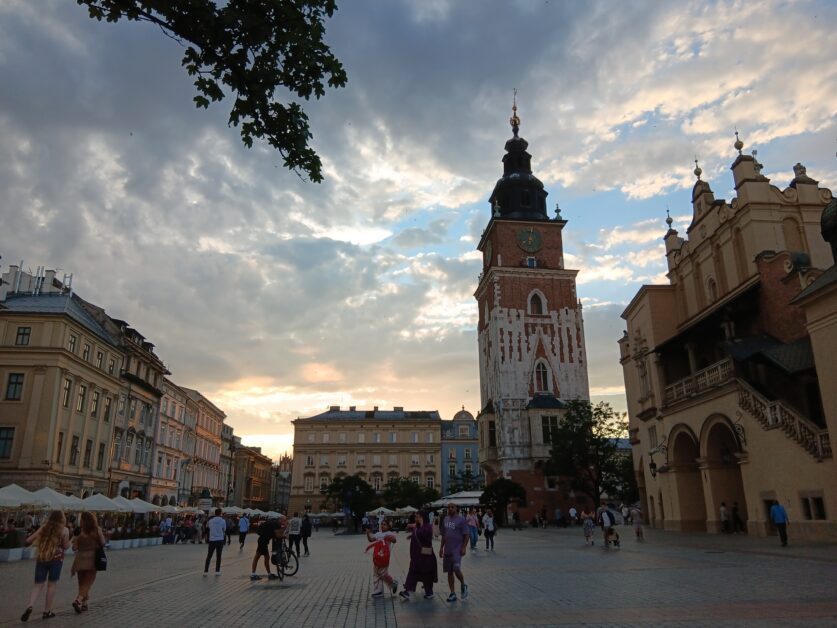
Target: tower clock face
column 487, row 250
column 530, row 240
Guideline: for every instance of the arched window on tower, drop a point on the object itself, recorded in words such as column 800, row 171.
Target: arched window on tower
column 536, row 303
column 541, row 378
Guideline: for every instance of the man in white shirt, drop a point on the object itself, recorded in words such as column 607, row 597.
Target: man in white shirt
column 216, row 529
column 243, row 529
column 295, row 532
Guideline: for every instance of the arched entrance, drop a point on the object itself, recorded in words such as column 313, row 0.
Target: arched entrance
column 688, row 503
column 721, row 464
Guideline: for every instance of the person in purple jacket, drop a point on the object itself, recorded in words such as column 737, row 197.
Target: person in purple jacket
column 455, row 536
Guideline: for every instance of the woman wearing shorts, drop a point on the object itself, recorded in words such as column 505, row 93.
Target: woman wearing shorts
column 52, row 538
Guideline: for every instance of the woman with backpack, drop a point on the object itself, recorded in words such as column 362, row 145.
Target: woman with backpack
column 52, row 538
column 85, row 546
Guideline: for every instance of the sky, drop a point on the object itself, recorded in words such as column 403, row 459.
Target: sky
column 278, row 297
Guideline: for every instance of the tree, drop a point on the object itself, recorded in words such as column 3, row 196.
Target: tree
column 264, row 51
column 464, row 481
column 400, row 492
column 585, row 449
column 500, row 493
column 352, row 492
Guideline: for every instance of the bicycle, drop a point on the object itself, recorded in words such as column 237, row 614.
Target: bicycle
column 285, row 559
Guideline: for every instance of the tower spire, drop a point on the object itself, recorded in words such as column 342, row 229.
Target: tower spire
column 514, row 120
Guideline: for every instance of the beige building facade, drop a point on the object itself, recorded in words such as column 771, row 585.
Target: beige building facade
column 728, row 388
column 206, row 478
column 253, row 471
column 376, row 445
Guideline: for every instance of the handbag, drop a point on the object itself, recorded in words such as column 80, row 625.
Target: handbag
column 427, row 551
column 101, row 559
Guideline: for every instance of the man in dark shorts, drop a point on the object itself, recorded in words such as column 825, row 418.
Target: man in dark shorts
column 455, row 535
column 268, row 531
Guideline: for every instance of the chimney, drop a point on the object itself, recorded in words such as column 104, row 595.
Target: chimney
column 398, row 409
column 352, row 408
column 334, row 409
column 375, row 409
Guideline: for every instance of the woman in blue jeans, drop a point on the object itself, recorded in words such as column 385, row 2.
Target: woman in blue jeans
column 52, row 538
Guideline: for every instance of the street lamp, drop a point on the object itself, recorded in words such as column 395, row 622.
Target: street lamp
column 652, row 466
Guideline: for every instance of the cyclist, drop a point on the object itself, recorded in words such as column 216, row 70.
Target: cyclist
column 271, row 530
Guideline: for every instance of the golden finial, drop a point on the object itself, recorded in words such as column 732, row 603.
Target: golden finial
column 514, row 120
column 738, row 143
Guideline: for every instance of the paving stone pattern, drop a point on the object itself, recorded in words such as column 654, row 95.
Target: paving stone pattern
column 535, row 578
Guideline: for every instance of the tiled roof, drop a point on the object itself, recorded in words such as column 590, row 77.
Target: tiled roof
column 377, row 415
column 792, row 357
column 827, row 278
column 57, row 304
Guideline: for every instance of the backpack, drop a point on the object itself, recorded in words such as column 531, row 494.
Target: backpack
column 380, row 553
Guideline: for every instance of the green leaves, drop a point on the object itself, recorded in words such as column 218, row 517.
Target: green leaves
column 500, row 493
column 265, row 52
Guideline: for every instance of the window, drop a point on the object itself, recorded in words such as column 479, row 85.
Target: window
column 541, row 378
column 111, row 366
column 416, row 478
column 100, row 357
column 23, row 334
column 376, row 437
column 312, row 437
column 121, row 408
column 492, row 434
column 100, row 459
column 323, row 483
column 88, row 452
column 376, row 482
column 468, row 468
column 464, row 431
column 361, row 460
column 429, row 437
column 325, row 437
column 531, row 262
column 813, row 507
column 431, row 459
column 652, row 436
column 414, row 438
column 376, row 460
column 324, row 460
column 68, row 387
column 341, row 437
column 361, row 437
column 536, row 304
column 14, row 389
column 451, row 454
column 341, row 460
column 85, row 355
column 7, row 437
column 414, row 459
column 94, row 404
column 74, row 451
column 430, row 481
column 106, row 414
column 393, row 460
column 60, row 447
column 309, row 484
column 132, row 408
column 393, row 437
column 71, row 345
column 468, row 453
column 138, row 451
column 82, row 393
column 452, row 471
column 548, row 424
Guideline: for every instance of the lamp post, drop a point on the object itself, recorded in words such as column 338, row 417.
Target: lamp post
column 231, row 474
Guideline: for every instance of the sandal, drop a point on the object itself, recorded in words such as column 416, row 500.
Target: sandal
column 84, row 606
column 26, row 614
column 76, row 605
column 48, row 614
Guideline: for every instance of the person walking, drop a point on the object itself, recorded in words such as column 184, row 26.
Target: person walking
column 380, row 545
column 243, row 529
column 454, row 546
column 423, row 565
column 473, row 528
column 229, row 529
column 608, row 523
column 588, row 525
column 724, row 517
column 636, row 517
column 295, row 532
column 489, row 529
column 216, row 532
column 85, row 545
column 516, row 521
column 53, row 539
column 573, row 515
column 779, row 518
column 306, row 532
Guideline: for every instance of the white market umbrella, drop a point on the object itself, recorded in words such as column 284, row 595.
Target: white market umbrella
column 124, row 502
column 259, row 513
column 143, row 506
column 272, row 514
column 100, row 503
column 233, row 510
column 172, row 510
column 381, row 511
column 15, row 496
column 337, row 514
column 56, row 500
column 407, row 510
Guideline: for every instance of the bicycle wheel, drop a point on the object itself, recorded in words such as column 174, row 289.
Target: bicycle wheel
column 291, row 565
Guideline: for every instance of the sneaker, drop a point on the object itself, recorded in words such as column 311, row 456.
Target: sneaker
column 394, row 587
column 217, row 573
column 205, row 573
column 254, row 576
column 378, row 594
column 452, row 597
column 272, row 576
column 464, row 591
column 428, row 596
column 405, row 594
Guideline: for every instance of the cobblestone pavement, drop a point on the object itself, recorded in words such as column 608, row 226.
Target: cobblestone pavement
column 536, row 577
